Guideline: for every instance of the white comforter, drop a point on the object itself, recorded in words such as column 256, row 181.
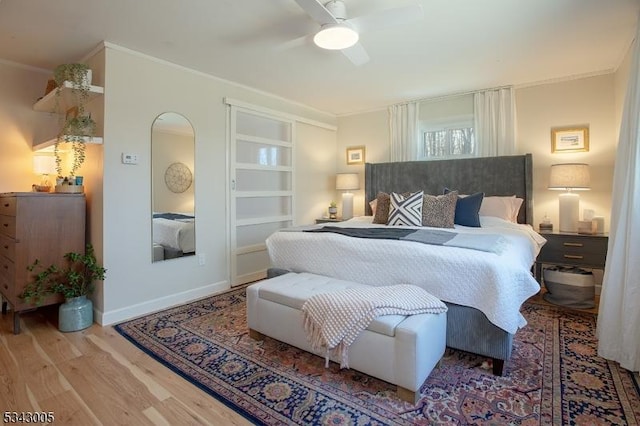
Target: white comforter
column 177, row 234
column 496, row 284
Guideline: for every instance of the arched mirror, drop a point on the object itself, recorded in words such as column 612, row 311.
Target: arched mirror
column 172, row 186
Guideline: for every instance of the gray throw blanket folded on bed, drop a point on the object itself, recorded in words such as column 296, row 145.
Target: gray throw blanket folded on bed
column 484, row 242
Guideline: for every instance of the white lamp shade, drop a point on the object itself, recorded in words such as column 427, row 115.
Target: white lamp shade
column 44, row 164
column 570, row 176
column 347, row 181
column 336, row 36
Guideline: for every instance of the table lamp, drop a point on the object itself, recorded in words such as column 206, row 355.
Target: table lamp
column 44, row 165
column 347, row 182
column 569, row 177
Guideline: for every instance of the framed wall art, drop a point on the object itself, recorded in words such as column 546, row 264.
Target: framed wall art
column 570, row 139
column 355, row 155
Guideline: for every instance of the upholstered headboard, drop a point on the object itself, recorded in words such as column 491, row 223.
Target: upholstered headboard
column 507, row 175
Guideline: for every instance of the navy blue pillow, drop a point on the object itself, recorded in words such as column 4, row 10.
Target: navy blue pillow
column 467, row 209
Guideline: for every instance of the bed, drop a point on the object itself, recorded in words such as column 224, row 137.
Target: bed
column 175, row 232
column 484, row 291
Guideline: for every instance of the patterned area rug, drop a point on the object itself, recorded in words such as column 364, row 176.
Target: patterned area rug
column 553, row 378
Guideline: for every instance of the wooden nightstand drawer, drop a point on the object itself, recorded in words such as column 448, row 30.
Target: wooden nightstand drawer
column 573, row 244
column 8, row 206
column 7, row 247
column 573, row 257
column 327, row 220
column 8, row 226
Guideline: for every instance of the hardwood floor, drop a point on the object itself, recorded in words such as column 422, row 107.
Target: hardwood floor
column 95, row 377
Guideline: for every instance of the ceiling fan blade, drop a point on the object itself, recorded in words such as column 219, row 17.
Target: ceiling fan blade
column 317, row 11
column 296, row 42
column 388, row 17
column 356, row 54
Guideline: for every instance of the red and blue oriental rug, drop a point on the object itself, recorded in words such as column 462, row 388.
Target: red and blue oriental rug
column 554, row 377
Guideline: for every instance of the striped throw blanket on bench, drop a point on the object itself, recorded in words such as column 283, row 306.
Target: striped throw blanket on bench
column 334, row 320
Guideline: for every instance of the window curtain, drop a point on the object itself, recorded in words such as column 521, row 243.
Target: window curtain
column 618, row 327
column 404, row 131
column 495, row 122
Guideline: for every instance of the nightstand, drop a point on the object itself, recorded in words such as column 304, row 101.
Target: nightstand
column 327, row 220
column 571, row 249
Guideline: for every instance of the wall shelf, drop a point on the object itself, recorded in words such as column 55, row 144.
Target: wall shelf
column 67, row 98
column 47, row 146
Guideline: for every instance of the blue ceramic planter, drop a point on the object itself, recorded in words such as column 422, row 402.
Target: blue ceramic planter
column 75, row 314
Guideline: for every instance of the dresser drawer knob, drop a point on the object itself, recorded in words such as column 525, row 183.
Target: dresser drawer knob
column 572, row 256
column 6, row 225
column 572, row 244
column 6, row 204
column 6, row 247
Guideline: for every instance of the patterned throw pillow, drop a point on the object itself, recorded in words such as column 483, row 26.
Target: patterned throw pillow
column 439, row 211
column 406, row 211
column 383, row 203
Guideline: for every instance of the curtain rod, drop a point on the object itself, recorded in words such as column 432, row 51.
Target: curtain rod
column 453, row 95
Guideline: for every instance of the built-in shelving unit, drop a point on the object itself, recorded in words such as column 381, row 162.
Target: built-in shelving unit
column 47, row 146
column 66, row 101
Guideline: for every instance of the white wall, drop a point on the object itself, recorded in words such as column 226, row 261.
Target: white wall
column 138, row 89
column 371, row 130
column 315, row 159
column 539, row 108
column 585, row 101
column 20, row 87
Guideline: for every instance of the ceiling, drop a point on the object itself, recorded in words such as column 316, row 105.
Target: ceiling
column 459, row 45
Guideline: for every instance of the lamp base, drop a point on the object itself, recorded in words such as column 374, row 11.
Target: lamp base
column 347, row 205
column 569, row 212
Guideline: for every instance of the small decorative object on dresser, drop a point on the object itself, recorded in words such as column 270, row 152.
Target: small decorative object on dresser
column 333, row 210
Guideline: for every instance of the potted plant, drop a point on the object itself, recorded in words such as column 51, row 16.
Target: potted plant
column 77, row 125
column 75, row 281
column 333, row 210
column 79, row 75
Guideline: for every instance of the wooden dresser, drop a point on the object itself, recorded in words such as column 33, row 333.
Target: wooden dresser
column 36, row 225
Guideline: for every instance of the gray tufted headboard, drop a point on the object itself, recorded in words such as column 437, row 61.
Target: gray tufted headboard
column 505, row 175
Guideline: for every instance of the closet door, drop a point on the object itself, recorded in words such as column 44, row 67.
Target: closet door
column 261, row 176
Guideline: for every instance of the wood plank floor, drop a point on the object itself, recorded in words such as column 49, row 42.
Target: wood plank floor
column 95, row 377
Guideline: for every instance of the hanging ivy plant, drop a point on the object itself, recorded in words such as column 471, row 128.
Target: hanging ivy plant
column 77, row 75
column 75, row 130
column 77, row 125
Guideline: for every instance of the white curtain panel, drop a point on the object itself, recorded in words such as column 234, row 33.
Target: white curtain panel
column 495, row 122
column 404, row 132
column 618, row 328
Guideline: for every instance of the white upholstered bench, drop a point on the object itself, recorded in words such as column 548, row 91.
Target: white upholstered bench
column 397, row 349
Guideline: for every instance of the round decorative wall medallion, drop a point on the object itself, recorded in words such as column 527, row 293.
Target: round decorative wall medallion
column 178, row 177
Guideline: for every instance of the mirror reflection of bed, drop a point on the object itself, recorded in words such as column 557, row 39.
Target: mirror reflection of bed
column 172, row 183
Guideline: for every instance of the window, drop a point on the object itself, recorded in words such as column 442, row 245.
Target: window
column 448, row 141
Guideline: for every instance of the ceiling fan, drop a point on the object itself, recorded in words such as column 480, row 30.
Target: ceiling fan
column 337, row 32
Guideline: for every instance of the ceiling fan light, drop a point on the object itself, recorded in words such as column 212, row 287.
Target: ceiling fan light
column 336, row 36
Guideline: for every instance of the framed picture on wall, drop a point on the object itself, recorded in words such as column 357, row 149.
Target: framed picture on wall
column 355, row 155
column 570, row 139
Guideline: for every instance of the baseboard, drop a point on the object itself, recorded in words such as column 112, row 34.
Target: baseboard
column 133, row 311
column 250, row 277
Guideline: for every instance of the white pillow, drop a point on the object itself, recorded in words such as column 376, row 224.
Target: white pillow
column 374, row 205
column 506, row 208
